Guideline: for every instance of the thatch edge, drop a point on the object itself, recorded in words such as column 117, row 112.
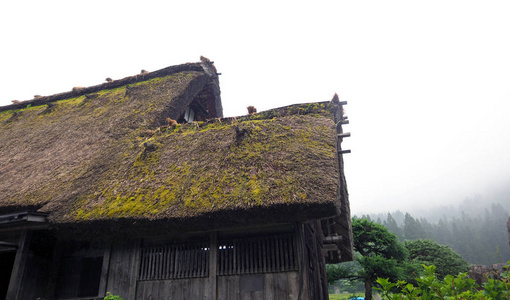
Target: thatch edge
column 206, row 66
column 218, row 220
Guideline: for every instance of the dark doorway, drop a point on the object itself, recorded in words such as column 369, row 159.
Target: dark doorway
column 6, row 263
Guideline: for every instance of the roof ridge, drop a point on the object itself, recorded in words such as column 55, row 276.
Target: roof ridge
column 80, row 91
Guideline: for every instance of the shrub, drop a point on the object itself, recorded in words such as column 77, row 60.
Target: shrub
column 109, row 296
column 459, row 287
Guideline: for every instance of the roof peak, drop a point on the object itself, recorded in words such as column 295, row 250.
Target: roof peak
column 205, row 66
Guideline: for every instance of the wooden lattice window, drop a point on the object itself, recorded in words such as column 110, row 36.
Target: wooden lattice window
column 187, row 260
column 274, row 253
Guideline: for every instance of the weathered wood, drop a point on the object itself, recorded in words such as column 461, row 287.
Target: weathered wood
column 304, row 292
column 344, row 151
column 280, row 286
column 213, row 267
column 344, row 134
column 268, row 286
column 222, row 287
column 134, row 268
column 293, row 285
column 38, row 266
column 104, row 270
column 19, row 267
column 57, row 254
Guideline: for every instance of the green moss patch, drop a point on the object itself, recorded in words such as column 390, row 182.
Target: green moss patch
column 54, row 152
column 290, row 160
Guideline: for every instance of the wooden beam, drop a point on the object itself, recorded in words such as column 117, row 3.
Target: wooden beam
column 213, row 265
column 344, row 134
column 19, row 266
column 105, row 268
column 134, row 247
column 344, row 151
column 343, row 102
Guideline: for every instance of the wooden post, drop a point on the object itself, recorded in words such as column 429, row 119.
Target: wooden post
column 135, row 248
column 104, row 270
column 213, row 259
column 55, row 266
column 19, row 266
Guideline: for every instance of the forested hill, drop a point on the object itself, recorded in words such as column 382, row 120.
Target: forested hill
column 480, row 238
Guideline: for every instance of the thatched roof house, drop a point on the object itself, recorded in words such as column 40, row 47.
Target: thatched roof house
column 109, row 163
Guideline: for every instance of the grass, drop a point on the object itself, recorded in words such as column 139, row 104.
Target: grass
column 344, row 296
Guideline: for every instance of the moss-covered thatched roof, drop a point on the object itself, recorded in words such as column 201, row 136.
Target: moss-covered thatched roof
column 106, row 155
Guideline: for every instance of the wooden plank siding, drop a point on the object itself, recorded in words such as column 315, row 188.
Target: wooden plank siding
column 272, row 260
column 281, row 286
column 275, row 266
column 122, row 273
column 176, row 289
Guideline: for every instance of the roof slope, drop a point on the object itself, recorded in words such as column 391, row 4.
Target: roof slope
column 107, row 156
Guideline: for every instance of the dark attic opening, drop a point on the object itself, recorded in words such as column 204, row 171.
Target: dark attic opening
column 202, row 107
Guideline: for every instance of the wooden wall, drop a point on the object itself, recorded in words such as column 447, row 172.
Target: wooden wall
column 282, row 286
column 269, row 286
column 33, row 263
column 123, row 268
column 177, row 289
column 300, row 277
column 307, row 282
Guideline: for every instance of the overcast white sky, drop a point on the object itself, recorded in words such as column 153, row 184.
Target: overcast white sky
column 427, row 82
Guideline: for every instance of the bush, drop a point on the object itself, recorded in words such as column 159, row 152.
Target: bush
column 460, row 287
column 109, row 296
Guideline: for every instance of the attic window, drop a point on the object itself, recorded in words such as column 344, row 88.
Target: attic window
column 186, row 260
column 189, row 115
column 263, row 254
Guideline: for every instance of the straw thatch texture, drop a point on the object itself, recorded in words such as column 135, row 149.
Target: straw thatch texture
column 106, row 157
column 51, row 153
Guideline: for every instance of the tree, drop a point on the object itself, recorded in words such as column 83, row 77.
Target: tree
column 381, row 254
column 336, row 272
column 412, row 228
column 428, row 252
column 392, row 226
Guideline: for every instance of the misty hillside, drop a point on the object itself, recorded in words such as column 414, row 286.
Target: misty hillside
column 476, row 230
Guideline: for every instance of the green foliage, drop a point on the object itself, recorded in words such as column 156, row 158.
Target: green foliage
column 443, row 257
column 336, row 272
column 109, row 296
column 374, row 239
column 458, row 287
column 381, row 254
column 412, row 228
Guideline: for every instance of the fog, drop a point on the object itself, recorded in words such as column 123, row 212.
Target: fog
column 427, row 83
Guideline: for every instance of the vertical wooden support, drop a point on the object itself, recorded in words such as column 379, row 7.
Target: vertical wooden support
column 300, row 245
column 213, row 260
column 321, row 260
column 135, row 246
column 104, row 270
column 55, row 266
column 19, row 266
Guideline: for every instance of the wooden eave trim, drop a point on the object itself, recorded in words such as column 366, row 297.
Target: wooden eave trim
column 23, row 221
